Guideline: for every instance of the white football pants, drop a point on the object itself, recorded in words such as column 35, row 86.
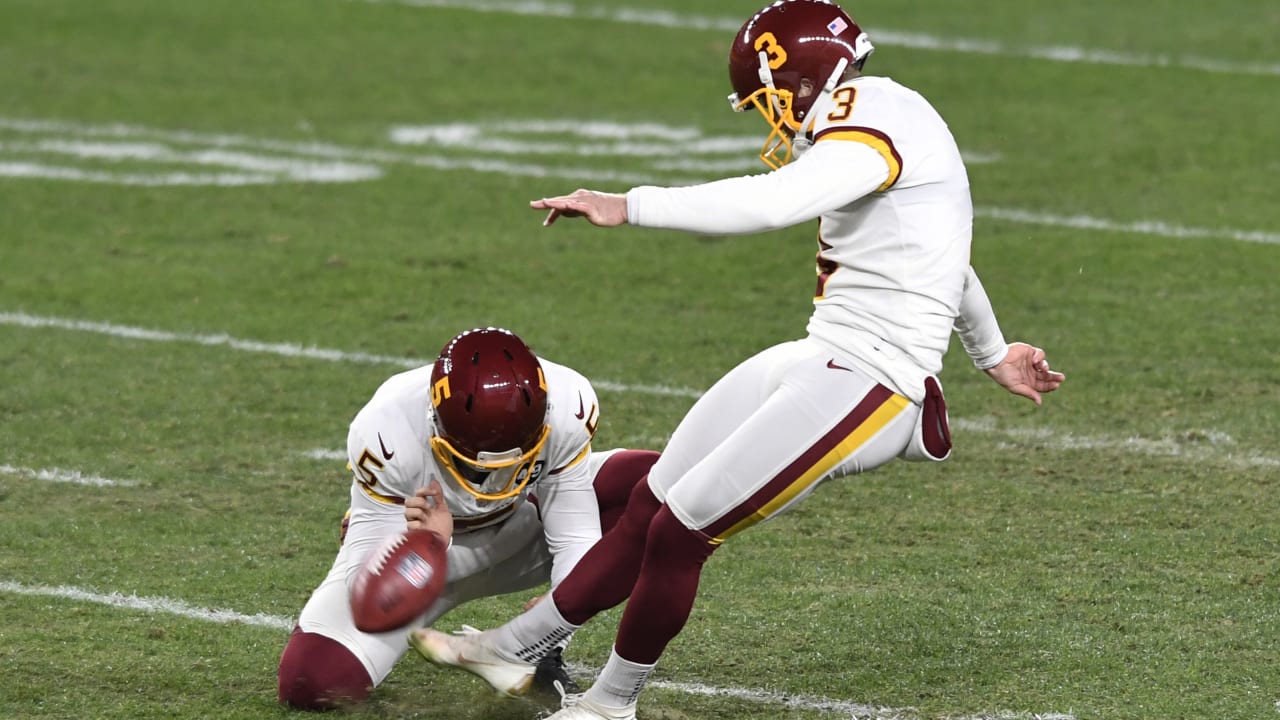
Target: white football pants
column 767, row 433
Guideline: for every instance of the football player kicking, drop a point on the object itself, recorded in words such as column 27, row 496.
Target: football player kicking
column 491, row 447
column 878, row 167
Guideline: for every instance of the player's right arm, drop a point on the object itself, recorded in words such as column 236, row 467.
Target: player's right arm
column 829, row 176
column 834, row 173
column 428, row 510
column 849, row 159
column 368, row 524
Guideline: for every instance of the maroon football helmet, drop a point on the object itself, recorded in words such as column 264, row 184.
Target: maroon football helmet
column 490, row 402
column 786, row 46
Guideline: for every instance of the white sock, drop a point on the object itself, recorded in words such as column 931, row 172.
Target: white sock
column 531, row 635
column 620, row 682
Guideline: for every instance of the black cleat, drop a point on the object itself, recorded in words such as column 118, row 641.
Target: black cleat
column 550, row 673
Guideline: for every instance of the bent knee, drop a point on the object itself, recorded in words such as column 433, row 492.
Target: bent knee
column 319, row 673
column 669, row 538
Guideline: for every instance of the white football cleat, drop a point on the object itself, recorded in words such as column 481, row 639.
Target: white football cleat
column 580, row 707
column 469, row 650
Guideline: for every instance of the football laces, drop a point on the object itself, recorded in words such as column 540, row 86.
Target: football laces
column 379, row 560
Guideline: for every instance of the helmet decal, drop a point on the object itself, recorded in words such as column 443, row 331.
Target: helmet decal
column 786, row 57
column 776, row 54
column 440, row 391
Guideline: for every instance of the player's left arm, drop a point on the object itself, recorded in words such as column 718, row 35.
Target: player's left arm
column 368, row 525
column 570, row 519
column 566, row 495
column 1020, row 368
column 977, row 326
column 1025, row 371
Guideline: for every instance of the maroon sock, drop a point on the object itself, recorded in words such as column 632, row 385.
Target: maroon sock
column 615, row 481
column 663, row 595
column 318, row 673
column 605, row 574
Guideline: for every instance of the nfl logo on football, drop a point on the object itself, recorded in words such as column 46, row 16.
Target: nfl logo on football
column 416, row 570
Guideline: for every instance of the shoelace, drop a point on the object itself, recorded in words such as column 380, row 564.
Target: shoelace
column 567, row 700
column 469, row 630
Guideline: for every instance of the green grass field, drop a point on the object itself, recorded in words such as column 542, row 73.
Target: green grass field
column 198, row 200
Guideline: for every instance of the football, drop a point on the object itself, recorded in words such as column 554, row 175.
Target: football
column 399, row 581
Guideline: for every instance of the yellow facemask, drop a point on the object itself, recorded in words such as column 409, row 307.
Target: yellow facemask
column 775, row 106
column 515, row 465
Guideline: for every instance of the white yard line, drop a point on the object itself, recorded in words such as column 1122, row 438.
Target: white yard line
column 320, row 150
column 137, row 333
column 325, row 454
column 1194, row 447
column 652, row 143
column 65, row 476
column 852, row 710
column 371, row 157
column 170, row 606
column 61, row 172
column 148, row 604
column 856, row 711
column 880, row 36
column 1140, row 227
column 589, row 139
column 254, row 168
column 1201, row 448
column 282, row 349
column 1212, row 447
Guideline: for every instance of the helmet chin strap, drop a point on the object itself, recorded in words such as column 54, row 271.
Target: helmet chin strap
column 802, row 141
column 766, row 77
column 834, row 79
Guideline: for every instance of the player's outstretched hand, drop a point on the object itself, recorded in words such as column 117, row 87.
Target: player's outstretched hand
column 428, row 510
column 1025, row 371
column 603, row 209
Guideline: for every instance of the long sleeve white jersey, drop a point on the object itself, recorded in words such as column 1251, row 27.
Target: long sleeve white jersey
column 886, row 181
column 389, row 452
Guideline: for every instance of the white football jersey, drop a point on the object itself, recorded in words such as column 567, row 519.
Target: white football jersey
column 892, row 264
column 886, row 181
column 389, row 449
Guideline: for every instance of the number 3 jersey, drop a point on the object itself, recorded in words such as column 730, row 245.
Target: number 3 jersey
column 885, row 178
